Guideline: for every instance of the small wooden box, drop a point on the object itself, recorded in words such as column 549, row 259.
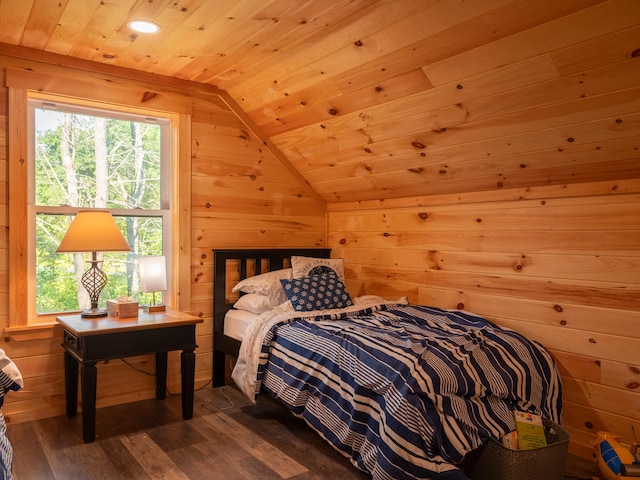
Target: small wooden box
column 122, row 309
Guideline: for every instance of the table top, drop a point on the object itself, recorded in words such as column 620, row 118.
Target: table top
column 81, row 326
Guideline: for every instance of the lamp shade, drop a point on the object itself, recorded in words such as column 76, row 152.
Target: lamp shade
column 93, row 231
column 153, row 274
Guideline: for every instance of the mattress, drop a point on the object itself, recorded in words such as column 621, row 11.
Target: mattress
column 236, row 323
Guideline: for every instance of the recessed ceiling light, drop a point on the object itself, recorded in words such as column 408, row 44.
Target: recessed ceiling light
column 143, row 26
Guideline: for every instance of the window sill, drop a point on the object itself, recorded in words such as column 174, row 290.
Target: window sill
column 30, row 332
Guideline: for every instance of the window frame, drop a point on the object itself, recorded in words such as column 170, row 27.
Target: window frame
column 21, row 315
column 39, row 101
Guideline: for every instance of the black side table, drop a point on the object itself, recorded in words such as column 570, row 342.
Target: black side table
column 88, row 341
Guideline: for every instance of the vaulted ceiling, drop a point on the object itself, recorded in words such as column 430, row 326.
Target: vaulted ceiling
column 373, row 99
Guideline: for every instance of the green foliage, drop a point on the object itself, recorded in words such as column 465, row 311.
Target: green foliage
column 67, row 173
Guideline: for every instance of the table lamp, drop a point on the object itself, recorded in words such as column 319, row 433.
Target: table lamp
column 93, row 231
column 153, row 278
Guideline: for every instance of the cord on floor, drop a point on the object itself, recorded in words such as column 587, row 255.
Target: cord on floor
column 208, row 403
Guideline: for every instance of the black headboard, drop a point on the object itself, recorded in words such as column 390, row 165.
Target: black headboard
column 247, row 263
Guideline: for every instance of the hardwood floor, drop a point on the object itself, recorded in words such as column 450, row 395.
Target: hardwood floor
column 228, row 438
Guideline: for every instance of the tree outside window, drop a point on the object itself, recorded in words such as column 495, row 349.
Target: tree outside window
column 108, row 160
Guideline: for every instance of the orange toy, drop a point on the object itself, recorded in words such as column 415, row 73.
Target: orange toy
column 616, row 462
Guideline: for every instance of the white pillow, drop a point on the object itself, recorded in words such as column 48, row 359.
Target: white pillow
column 266, row 284
column 254, row 303
column 307, row 266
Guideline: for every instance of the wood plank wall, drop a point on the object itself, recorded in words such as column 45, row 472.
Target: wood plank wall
column 242, row 195
column 558, row 264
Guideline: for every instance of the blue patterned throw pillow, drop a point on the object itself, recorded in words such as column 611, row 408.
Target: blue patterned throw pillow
column 316, row 292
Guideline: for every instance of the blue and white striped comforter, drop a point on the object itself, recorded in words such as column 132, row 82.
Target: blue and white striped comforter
column 404, row 391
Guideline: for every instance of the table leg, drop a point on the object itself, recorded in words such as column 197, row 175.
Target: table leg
column 219, row 368
column 71, row 384
column 187, row 373
column 161, row 375
column 88, row 376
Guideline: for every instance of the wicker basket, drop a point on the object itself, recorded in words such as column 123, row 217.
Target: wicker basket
column 496, row 462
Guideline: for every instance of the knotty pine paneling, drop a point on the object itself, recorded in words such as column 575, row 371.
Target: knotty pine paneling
column 554, row 35
column 241, row 196
column 382, row 99
column 483, row 155
column 479, row 114
column 563, row 270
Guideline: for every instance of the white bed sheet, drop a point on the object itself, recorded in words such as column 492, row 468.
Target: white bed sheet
column 236, row 323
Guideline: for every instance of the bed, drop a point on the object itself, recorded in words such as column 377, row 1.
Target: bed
column 238, row 265
column 404, row 391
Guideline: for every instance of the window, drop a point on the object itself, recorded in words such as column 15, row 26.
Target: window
column 84, row 158
column 85, row 95
column 91, row 158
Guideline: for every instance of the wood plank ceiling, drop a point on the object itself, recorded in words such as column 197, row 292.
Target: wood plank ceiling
column 374, row 99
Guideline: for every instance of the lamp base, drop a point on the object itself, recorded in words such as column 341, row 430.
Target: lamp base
column 94, row 313
column 94, row 280
column 154, row 308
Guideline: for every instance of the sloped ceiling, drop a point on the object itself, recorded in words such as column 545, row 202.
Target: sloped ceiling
column 390, row 98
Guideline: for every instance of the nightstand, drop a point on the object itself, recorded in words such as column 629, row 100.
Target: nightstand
column 90, row 340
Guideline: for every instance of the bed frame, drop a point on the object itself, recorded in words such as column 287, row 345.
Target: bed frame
column 233, row 264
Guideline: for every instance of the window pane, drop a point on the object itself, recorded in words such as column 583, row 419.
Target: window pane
column 89, row 161
column 58, row 286
column 85, row 158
